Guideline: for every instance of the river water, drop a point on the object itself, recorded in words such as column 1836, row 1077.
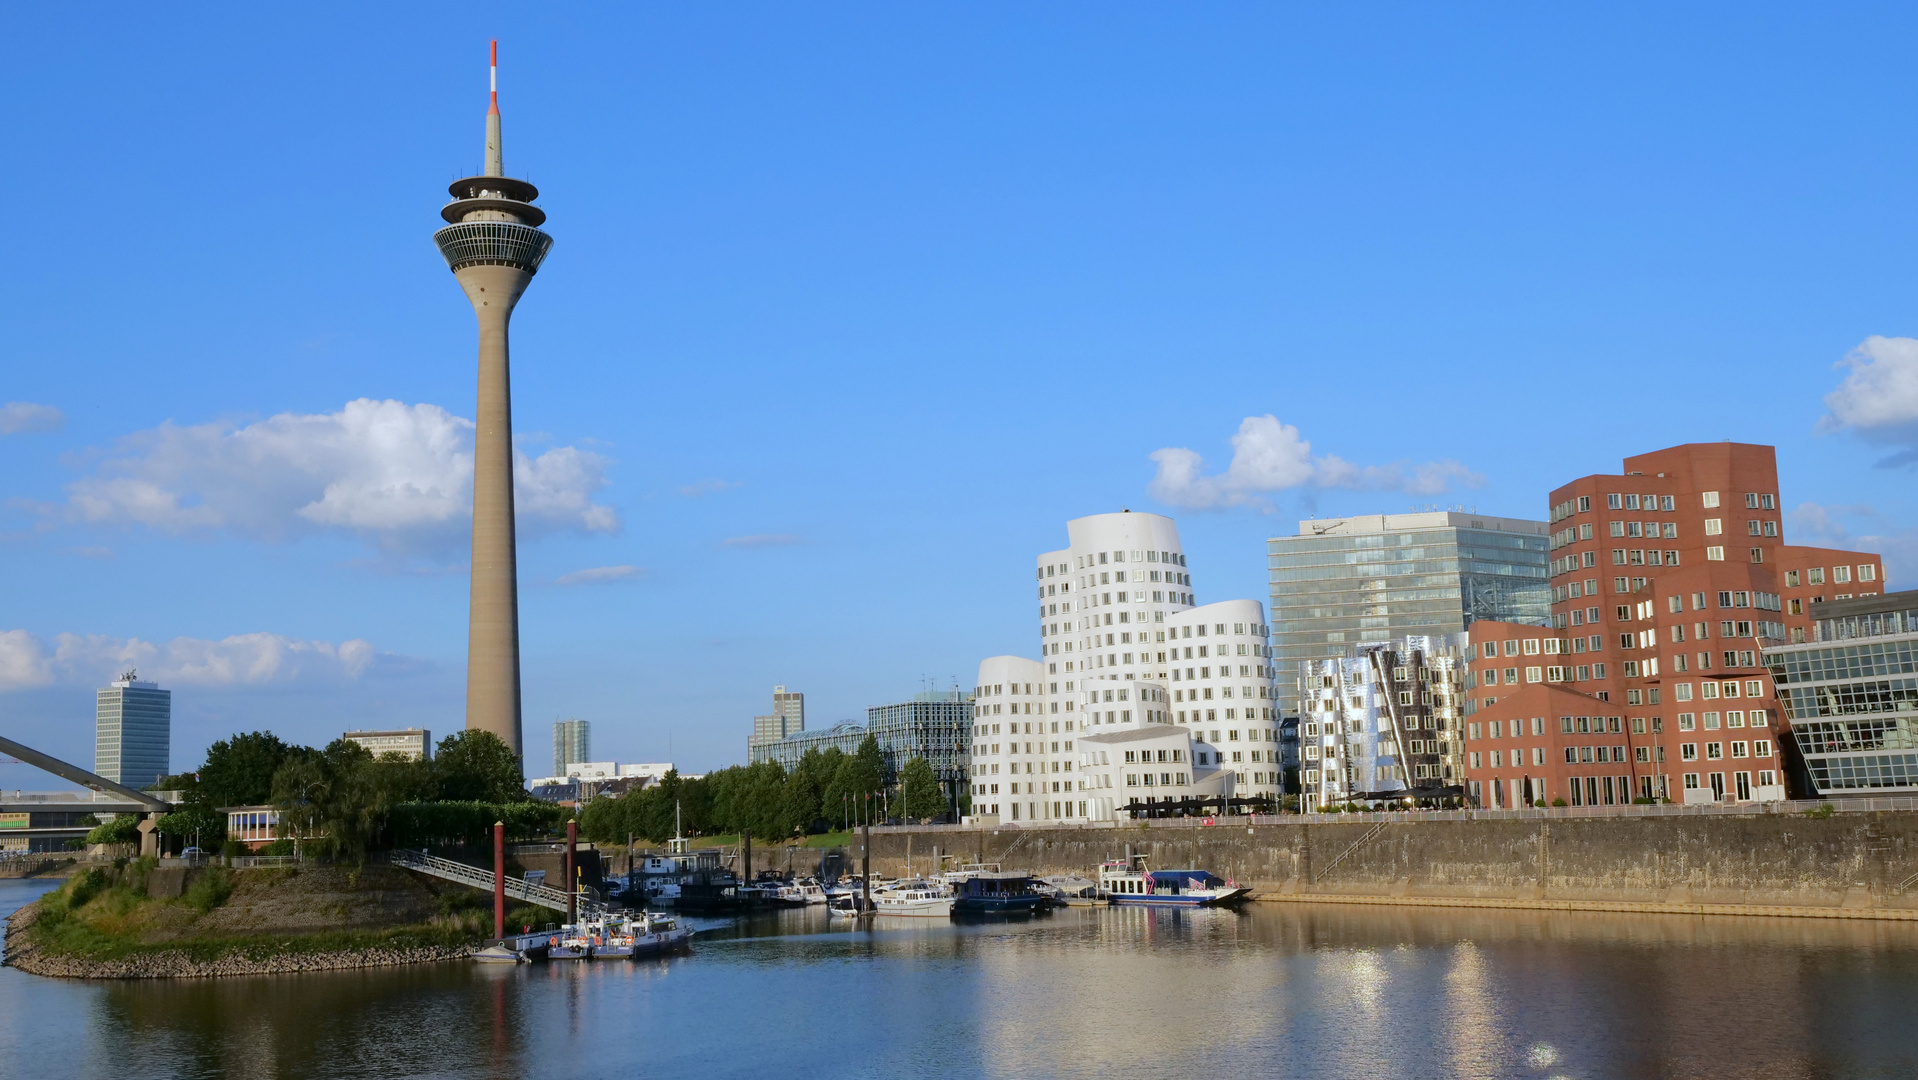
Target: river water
column 1328, row 992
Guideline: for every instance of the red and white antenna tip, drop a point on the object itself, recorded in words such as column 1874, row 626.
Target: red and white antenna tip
column 492, row 77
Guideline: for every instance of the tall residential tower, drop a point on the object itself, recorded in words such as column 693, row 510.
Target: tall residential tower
column 494, row 247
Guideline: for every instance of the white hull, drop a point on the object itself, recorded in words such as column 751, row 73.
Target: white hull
column 937, row 907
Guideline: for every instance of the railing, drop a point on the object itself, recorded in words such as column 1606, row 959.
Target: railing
column 254, row 862
column 1837, row 805
column 518, row 889
column 1356, row 844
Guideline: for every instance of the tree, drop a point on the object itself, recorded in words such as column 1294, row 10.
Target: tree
column 239, row 770
column 478, row 766
column 802, row 800
column 921, row 793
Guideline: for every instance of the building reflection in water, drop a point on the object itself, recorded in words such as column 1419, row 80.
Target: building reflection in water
column 1278, row 990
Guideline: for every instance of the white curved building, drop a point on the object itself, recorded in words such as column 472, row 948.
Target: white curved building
column 1132, row 671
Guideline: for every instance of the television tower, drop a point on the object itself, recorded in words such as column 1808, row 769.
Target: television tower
column 493, row 245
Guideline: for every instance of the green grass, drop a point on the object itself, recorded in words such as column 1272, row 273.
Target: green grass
column 94, row 917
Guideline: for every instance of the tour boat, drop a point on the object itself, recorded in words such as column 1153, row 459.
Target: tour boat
column 915, row 900
column 1131, row 882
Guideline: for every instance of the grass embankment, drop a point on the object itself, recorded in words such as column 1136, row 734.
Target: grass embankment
column 106, row 915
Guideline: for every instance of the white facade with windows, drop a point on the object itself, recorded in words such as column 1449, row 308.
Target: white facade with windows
column 1125, row 649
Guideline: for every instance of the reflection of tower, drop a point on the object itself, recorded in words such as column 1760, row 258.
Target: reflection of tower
column 494, row 248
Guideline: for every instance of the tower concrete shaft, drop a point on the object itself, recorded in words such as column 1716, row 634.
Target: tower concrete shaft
column 493, row 246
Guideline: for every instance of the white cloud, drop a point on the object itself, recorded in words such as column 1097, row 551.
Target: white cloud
column 599, row 575
column 1878, row 399
column 253, row 660
column 1269, row 456
column 1824, row 526
column 20, row 417
column 699, row 488
column 762, row 540
column 400, row 475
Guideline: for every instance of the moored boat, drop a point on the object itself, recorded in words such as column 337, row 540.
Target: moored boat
column 995, row 893
column 1132, row 882
column 914, row 900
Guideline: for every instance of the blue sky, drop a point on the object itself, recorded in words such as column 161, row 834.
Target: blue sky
column 851, row 308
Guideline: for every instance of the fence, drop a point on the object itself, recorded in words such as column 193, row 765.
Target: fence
column 1549, row 813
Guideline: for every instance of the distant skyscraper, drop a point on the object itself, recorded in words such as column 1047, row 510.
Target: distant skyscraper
column 1350, row 581
column 492, row 243
column 572, row 741
column 788, row 718
column 133, row 732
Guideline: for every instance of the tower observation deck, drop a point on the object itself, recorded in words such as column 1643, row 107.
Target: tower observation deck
column 493, row 245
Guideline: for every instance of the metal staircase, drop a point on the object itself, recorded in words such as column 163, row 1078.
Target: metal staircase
column 543, row 895
column 1359, row 843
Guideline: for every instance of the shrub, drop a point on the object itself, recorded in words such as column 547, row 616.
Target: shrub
column 123, row 829
column 529, row 915
column 1822, row 810
column 282, row 846
column 1560, row 801
column 209, row 890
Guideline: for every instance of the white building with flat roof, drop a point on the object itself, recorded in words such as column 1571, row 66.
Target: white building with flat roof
column 415, row 743
column 1125, row 648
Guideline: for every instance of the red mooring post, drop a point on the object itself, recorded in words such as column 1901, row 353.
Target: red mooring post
column 572, row 861
column 499, row 879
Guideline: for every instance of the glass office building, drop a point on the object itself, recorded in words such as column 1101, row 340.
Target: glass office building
column 1344, row 582
column 937, row 726
column 1852, row 695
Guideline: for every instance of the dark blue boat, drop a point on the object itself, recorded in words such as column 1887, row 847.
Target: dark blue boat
column 995, row 894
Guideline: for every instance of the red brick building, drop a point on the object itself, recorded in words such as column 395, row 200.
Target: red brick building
column 1667, row 582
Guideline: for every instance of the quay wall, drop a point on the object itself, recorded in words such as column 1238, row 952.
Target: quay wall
column 1850, row 863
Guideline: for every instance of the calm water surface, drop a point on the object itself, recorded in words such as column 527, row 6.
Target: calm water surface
column 1276, row 991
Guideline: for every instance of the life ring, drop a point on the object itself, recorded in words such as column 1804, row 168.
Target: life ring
column 552, row 941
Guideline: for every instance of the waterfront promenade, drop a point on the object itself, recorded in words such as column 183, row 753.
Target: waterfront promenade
column 1848, row 859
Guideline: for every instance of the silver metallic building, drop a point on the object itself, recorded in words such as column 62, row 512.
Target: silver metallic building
column 1852, row 695
column 1343, row 582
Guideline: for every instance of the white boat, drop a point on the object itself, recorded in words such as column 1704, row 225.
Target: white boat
column 498, row 954
column 1131, row 882
column 653, row 934
column 811, row 892
column 914, row 900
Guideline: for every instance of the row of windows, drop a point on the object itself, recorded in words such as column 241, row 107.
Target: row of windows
column 1842, row 699
column 1754, row 500
column 1840, row 575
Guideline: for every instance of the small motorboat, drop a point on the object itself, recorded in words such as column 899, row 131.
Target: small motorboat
column 497, row 953
column 653, row 934
column 1070, row 890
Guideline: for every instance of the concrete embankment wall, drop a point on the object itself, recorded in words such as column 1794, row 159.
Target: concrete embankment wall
column 1849, row 865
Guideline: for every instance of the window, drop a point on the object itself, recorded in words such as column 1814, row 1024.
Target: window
column 1714, row 526
column 1714, row 554
column 1815, row 576
column 1688, row 751
column 1840, row 575
column 1714, row 751
column 1710, row 499
column 1868, row 572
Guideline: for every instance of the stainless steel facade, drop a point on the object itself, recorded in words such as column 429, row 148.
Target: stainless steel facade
column 1343, row 582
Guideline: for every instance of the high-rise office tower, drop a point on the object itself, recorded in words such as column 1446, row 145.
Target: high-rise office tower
column 133, row 731
column 572, row 742
column 1132, row 666
column 787, row 718
column 494, row 248
column 1343, row 582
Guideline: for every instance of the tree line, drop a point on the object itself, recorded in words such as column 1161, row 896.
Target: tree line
column 828, row 789
column 344, row 801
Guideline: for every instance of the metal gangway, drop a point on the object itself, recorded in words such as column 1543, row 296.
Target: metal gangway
column 543, row 895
